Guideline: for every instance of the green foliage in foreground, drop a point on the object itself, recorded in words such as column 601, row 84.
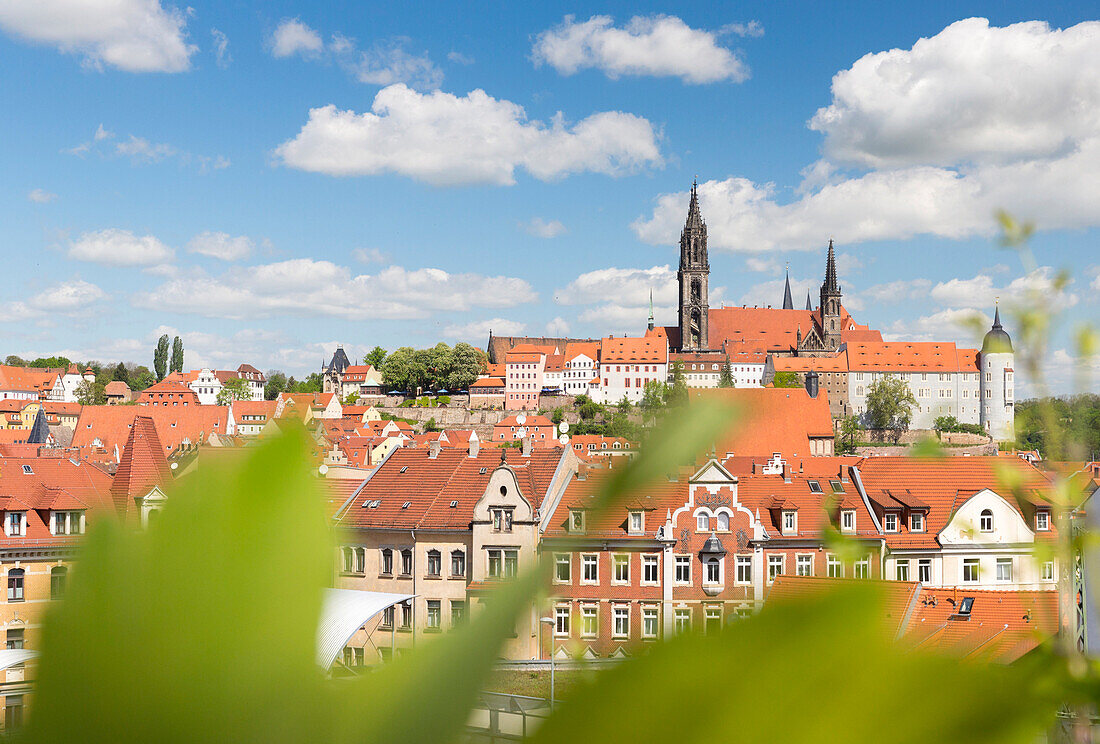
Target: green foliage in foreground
column 1078, row 415
column 202, row 628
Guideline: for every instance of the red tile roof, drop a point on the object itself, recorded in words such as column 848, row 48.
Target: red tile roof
column 647, row 349
column 111, row 425
column 168, row 391
column 770, row 419
column 911, row 356
column 899, row 598
column 52, row 483
column 143, row 465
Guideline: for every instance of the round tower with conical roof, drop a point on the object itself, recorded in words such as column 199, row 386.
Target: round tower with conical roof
column 995, row 382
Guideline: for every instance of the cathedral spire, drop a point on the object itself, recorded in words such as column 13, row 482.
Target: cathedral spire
column 788, row 303
column 809, row 305
column 650, row 310
column 693, row 277
column 694, row 218
column 830, row 272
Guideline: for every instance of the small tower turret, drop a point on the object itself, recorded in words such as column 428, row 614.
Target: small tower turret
column 996, row 386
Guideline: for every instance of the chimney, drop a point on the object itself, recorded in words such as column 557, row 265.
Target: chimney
column 527, row 446
column 811, row 383
column 475, row 446
column 843, row 474
column 433, row 449
column 786, row 473
column 582, row 471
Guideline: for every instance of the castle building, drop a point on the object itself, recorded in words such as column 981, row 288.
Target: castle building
column 974, row 386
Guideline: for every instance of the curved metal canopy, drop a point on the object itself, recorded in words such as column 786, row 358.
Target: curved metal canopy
column 9, row 657
column 343, row 612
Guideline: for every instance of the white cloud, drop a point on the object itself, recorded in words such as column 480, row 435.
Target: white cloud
column 478, row 330
column 369, row 255
column 141, row 150
column 221, row 245
column 459, row 58
column 221, row 48
column 66, row 298
column 131, row 35
column 445, row 139
column 770, row 293
column 305, row 287
column 559, row 326
column 763, row 264
column 897, row 291
column 1096, row 283
column 980, row 291
column 629, row 286
column 541, row 228
column 754, row 29
column 388, row 63
column 41, row 196
column 962, row 325
column 972, row 120
column 660, row 45
column 115, row 247
column 292, row 37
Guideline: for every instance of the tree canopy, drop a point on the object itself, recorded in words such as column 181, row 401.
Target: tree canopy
column 435, row 368
column 786, row 380
column 177, row 355
column 235, row 388
column 890, row 404
column 375, row 357
column 160, row 357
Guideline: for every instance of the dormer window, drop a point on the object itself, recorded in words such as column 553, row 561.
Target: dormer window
column 790, row 522
column 16, row 526
column 67, row 523
column 985, row 520
column 636, row 522
column 890, row 522
column 916, row 522
column 848, row 520
column 1042, row 520
column 576, row 520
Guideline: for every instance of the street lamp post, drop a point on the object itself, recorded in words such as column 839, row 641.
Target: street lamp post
column 549, row 621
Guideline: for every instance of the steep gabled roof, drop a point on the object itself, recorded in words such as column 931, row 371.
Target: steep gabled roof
column 143, row 465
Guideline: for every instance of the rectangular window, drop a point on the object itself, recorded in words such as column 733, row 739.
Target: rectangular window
column 714, row 571
column 834, row 569
column 744, row 569
column 916, row 522
column 621, row 625
column 890, row 523
column 621, row 564
column 435, row 563
column 901, row 569
column 15, row 524
column 576, row 520
column 406, row 562
column 14, row 639
column 682, row 620
column 15, row 585
column 13, row 712
column 848, row 520
column 458, row 563
column 775, row 567
column 862, row 568
column 502, row 520
column 561, row 621
column 924, row 570
column 683, row 569
column 590, row 569
column 387, row 561
column 712, row 620
column 433, row 614
column 635, row 522
column 649, row 569
column 511, row 564
column 589, row 621
column 561, row 568
column 496, row 564
column 1048, row 571
column 804, row 565
column 1042, row 520
column 790, row 522
column 1004, row 569
column 649, row 622
column 406, row 615
column 387, row 618
column 970, row 570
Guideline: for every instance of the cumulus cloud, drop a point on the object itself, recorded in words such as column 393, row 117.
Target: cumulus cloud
column 387, row 63
column 981, row 291
column 770, row 293
column 459, row 58
column 896, row 291
column 448, row 140
column 41, row 196
column 369, row 255
column 754, row 29
column 930, row 140
column 478, row 330
column 221, row 245
column 541, row 228
column 659, row 45
column 141, row 150
column 292, row 37
column 115, row 247
column 620, row 297
column 962, row 325
column 221, row 48
column 557, row 327
column 66, row 298
column 305, row 287
column 130, row 35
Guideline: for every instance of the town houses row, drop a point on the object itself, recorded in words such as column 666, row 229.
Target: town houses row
column 62, row 384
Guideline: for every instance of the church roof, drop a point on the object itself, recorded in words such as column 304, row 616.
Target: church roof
column 339, row 361
column 997, row 340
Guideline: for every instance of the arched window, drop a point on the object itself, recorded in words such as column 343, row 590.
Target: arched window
column 702, row 521
column 724, row 522
column 458, row 563
column 714, row 571
column 696, row 289
column 434, row 563
column 406, row 562
column 15, row 585
column 58, row 576
column 985, row 521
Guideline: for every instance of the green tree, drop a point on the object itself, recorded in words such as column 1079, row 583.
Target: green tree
column 847, row 436
column 90, row 393
column 122, row 374
column 141, row 377
column 312, row 384
column 400, row 369
column 53, row 362
column 725, row 377
column 351, row 399
column 557, row 416
column 890, row 404
column 654, row 397
column 235, row 388
column 375, row 357
column 276, row 383
column 466, row 363
column 177, row 355
column 160, row 357
column 786, row 380
column 15, row 361
column 678, row 391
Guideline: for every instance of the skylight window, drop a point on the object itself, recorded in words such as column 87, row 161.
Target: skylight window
column 815, row 487
column 27, row 469
column 837, row 487
column 482, row 471
column 454, row 504
column 403, row 468
column 406, row 505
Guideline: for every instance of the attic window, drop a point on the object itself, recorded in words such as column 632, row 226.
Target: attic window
column 482, row 471
column 406, row 505
column 966, row 606
column 403, row 468
column 815, row 487
column 27, row 469
column 837, row 487
column 454, row 504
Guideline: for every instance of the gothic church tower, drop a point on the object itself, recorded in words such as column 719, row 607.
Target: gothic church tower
column 694, row 275
column 830, row 304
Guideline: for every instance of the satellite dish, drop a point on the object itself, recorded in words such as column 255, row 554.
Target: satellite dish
column 564, row 439
column 563, row 427
column 323, row 469
column 521, row 419
column 174, row 465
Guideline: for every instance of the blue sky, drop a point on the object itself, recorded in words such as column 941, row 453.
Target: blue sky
column 269, row 179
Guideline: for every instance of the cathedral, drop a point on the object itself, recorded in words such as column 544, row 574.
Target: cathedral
column 827, row 344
